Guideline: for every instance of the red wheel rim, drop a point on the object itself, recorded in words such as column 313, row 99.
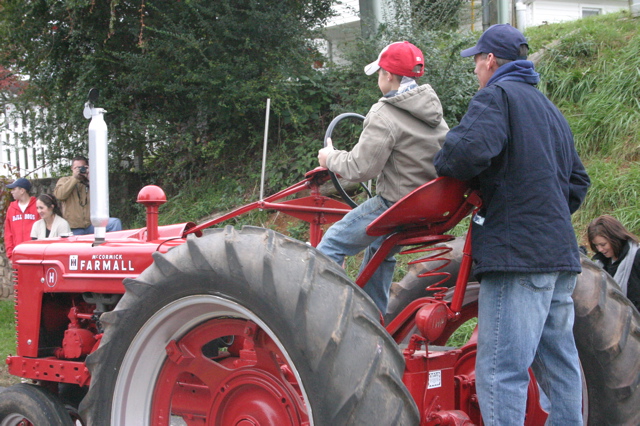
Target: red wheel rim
column 246, row 384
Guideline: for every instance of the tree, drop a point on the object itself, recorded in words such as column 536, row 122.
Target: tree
column 182, row 81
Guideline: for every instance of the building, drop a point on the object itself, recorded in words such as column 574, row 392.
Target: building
column 22, row 153
column 540, row 12
column 360, row 17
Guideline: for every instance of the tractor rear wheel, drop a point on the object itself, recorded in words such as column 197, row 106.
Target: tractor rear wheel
column 245, row 327
column 606, row 330
column 607, row 333
column 26, row 404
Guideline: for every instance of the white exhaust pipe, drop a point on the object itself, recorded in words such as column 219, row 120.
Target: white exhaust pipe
column 99, row 167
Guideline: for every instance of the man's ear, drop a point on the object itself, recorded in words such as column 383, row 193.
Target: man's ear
column 492, row 64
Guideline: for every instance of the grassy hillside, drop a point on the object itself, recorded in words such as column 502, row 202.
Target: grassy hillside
column 592, row 72
column 590, row 68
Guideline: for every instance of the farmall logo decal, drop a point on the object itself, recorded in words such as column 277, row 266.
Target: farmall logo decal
column 100, row 262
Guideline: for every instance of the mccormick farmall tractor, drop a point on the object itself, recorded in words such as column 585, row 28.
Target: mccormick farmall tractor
column 189, row 325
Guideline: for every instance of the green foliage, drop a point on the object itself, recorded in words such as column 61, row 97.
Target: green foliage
column 596, row 83
column 298, row 230
column 446, row 71
column 615, row 190
column 462, row 334
column 436, row 14
column 7, row 328
column 184, row 83
column 204, row 197
column 591, row 73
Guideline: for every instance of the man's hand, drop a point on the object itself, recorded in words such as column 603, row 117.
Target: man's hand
column 322, row 154
column 78, row 172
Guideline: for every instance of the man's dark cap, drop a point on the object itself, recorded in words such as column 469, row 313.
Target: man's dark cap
column 502, row 40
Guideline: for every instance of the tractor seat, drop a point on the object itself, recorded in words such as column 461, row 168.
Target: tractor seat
column 437, row 202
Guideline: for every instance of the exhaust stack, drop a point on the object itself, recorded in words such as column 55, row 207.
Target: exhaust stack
column 99, row 167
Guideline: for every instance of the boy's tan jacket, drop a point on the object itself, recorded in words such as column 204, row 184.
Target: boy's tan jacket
column 401, row 136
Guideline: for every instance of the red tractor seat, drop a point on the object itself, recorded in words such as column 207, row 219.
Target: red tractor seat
column 437, row 202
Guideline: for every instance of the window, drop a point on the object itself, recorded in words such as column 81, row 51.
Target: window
column 590, row 11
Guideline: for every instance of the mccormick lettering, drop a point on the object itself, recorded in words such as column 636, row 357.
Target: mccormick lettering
column 107, row 256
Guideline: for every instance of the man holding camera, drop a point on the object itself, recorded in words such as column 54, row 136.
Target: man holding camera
column 73, row 192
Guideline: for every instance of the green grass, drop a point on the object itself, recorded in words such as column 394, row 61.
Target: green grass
column 593, row 75
column 7, row 341
column 7, row 329
column 462, row 334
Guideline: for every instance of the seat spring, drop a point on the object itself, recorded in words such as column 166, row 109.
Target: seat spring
column 436, row 255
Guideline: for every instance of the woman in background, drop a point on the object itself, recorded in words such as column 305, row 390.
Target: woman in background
column 51, row 224
column 617, row 253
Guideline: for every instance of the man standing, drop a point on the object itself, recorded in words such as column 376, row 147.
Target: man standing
column 73, row 192
column 518, row 148
column 21, row 215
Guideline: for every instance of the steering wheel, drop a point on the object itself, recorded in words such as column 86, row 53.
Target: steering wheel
column 334, row 178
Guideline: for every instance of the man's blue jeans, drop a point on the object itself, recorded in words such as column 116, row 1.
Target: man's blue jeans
column 526, row 320
column 114, row 224
column 348, row 237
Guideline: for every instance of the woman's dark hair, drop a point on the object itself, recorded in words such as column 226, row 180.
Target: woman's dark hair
column 51, row 202
column 609, row 228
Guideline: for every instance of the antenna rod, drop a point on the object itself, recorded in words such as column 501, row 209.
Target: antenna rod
column 264, row 149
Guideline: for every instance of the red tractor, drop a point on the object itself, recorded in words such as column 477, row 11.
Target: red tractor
column 188, row 325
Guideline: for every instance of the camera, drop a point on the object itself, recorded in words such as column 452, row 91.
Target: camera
column 83, row 170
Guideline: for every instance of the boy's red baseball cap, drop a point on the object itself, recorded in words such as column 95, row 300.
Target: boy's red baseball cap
column 398, row 58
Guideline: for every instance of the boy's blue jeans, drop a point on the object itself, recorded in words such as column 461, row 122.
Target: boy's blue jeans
column 526, row 320
column 348, row 237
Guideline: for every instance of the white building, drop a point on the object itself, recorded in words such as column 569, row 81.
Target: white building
column 22, row 153
column 478, row 14
column 539, row 12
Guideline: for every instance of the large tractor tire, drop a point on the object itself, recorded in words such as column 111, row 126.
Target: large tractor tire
column 25, row 404
column 245, row 327
column 607, row 333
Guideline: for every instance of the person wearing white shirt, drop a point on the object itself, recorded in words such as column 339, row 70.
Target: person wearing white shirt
column 51, row 224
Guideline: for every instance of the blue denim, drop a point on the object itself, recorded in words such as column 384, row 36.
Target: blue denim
column 526, row 320
column 348, row 237
column 114, row 224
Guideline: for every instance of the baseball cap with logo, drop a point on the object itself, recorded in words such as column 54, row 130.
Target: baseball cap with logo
column 502, row 40
column 400, row 58
column 22, row 183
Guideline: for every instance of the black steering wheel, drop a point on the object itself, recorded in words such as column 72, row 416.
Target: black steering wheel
column 334, row 178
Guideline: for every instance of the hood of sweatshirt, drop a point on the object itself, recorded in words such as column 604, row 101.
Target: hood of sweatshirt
column 421, row 102
column 522, row 71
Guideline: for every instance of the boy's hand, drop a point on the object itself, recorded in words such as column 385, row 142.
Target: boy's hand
column 322, row 154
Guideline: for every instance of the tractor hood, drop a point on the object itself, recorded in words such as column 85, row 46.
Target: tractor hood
column 68, row 264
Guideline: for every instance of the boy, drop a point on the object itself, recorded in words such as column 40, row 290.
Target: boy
column 401, row 135
column 21, row 215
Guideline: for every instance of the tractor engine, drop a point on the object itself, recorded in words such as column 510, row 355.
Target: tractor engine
column 62, row 288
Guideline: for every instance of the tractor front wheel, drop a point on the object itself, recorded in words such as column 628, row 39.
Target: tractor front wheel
column 26, row 404
column 245, row 327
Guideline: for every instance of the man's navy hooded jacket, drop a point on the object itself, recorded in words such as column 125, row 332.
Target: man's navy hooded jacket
column 518, row 149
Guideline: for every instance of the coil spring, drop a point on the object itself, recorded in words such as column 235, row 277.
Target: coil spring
column 436, row 256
